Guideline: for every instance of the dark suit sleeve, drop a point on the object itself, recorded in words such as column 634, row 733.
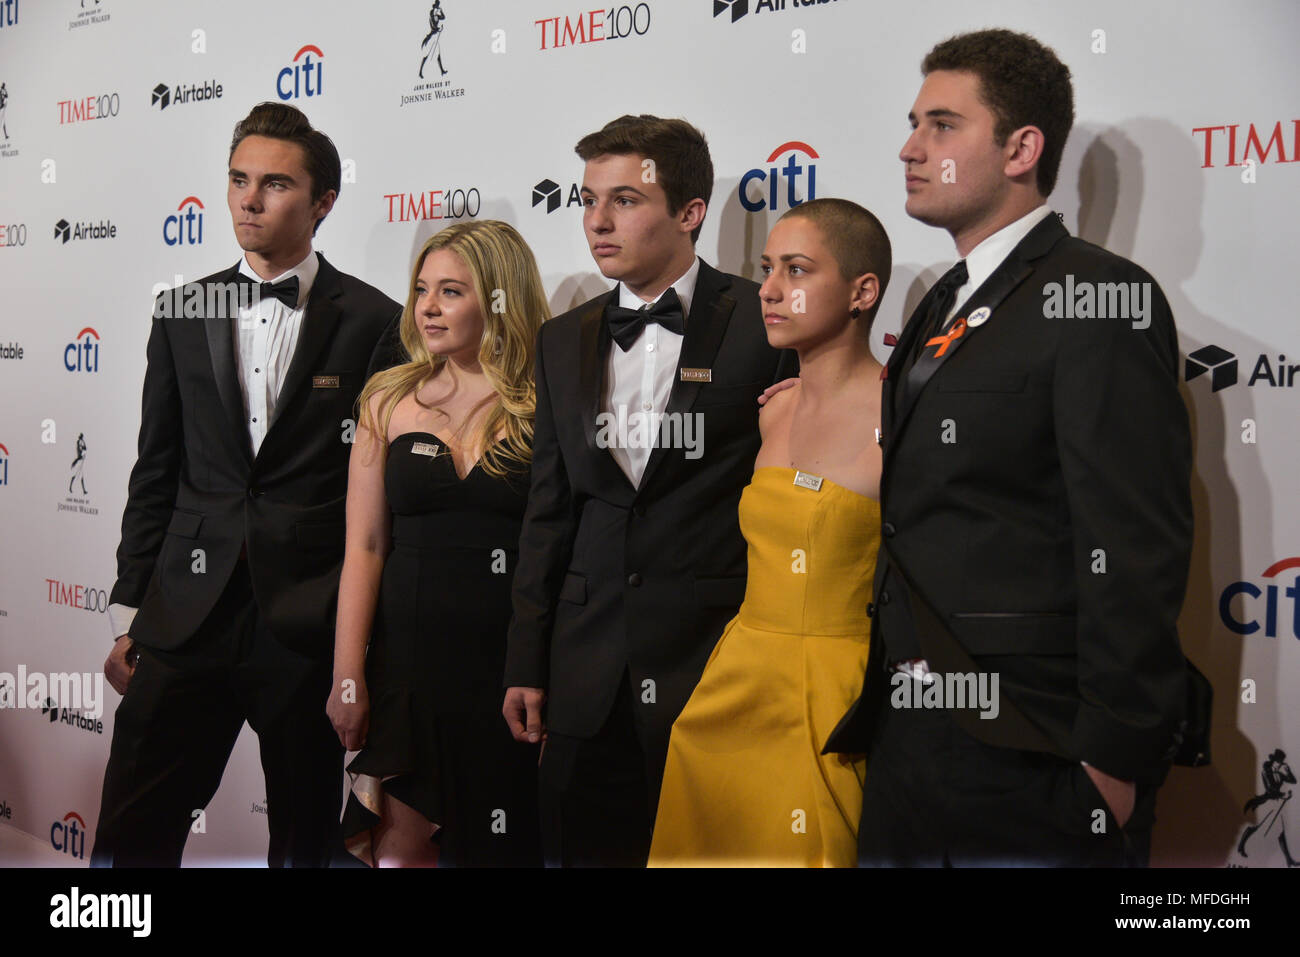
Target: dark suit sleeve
column 1125, row 451
column 545, row 547
column 151, row 492
column 388, row 351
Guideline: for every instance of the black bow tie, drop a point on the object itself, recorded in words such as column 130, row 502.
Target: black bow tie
column 286, row 290
column 626, row 324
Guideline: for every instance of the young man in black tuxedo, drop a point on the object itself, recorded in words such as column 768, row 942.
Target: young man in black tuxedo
column 232, row 537
column 1037, row 521
column 631, row 559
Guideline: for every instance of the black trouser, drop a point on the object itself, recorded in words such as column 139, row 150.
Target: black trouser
column 177, row 724
column 595, row 799
column 935, row 796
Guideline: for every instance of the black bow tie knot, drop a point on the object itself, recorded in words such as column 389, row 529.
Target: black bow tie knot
column 626, row 324
column 286, row 290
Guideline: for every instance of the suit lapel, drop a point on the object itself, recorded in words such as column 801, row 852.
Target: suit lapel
column 220, row 330
column 594, row 345
column 1014, row 270
column 318, row 325
column 711, row 309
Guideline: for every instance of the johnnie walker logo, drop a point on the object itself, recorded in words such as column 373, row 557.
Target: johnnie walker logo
column 432, row 81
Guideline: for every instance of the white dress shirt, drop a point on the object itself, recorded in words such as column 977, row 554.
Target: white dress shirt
column 638, row 381
column 265, row 338
column 984, row 259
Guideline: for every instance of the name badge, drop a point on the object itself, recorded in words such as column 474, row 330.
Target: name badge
column 324, row 382
column 697, row 375
column 424, row 448
column 808, row 480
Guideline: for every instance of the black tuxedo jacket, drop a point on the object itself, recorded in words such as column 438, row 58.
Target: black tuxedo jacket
column 196, row 484
column 1036, row 495
column 612, row 578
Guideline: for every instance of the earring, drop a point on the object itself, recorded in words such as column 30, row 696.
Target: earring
column 855, row 312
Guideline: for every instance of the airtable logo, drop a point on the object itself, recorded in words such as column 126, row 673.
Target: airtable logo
column 163, row 96
column 739, row 8
column 552, row 194
column 792, row 170
column 1222, row 367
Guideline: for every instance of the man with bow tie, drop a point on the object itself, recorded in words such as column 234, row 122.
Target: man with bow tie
column 232, row 536
column 631, row 559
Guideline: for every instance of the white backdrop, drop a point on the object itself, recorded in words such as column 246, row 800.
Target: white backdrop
column 1167, row 97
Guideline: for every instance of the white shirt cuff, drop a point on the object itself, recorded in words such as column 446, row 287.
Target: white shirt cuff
column 120, row 618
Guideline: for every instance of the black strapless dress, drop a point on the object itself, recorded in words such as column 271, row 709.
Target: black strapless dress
column 437, row 740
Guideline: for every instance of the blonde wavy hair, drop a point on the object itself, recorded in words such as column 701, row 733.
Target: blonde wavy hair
column 513, row 303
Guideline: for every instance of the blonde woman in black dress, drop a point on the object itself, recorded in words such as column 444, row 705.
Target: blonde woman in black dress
column 436, row 492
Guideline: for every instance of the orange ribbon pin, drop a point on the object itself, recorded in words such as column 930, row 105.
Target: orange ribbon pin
column 947, row 339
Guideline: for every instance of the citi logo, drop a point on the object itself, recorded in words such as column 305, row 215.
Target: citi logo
column 1222, row 367
column 8, row 13
column 1230, row 140
column 66, row 231
column 306, row 77
column 757, row 200
column 1270, row 592
column 185, row 226
column 69, row 835
column 552, row 194
column 4, row 465
column 82, row 353
column 163, row 96
column 738, row 8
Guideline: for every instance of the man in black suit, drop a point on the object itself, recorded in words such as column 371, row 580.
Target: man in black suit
column 232, row 537
column 1037, row 521
column 631, row 559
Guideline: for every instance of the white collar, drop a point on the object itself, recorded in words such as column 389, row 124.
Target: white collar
column 984, row 259
column 305, row 271
column 684, row 287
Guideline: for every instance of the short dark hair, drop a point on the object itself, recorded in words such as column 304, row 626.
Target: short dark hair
column 683, row 167
column 855, row 237
column 1022, row 82
column 283, row 122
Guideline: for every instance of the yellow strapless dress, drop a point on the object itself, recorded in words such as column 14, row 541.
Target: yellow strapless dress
column 746, row 783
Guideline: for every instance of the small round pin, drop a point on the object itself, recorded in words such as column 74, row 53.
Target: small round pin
column 979, row 316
